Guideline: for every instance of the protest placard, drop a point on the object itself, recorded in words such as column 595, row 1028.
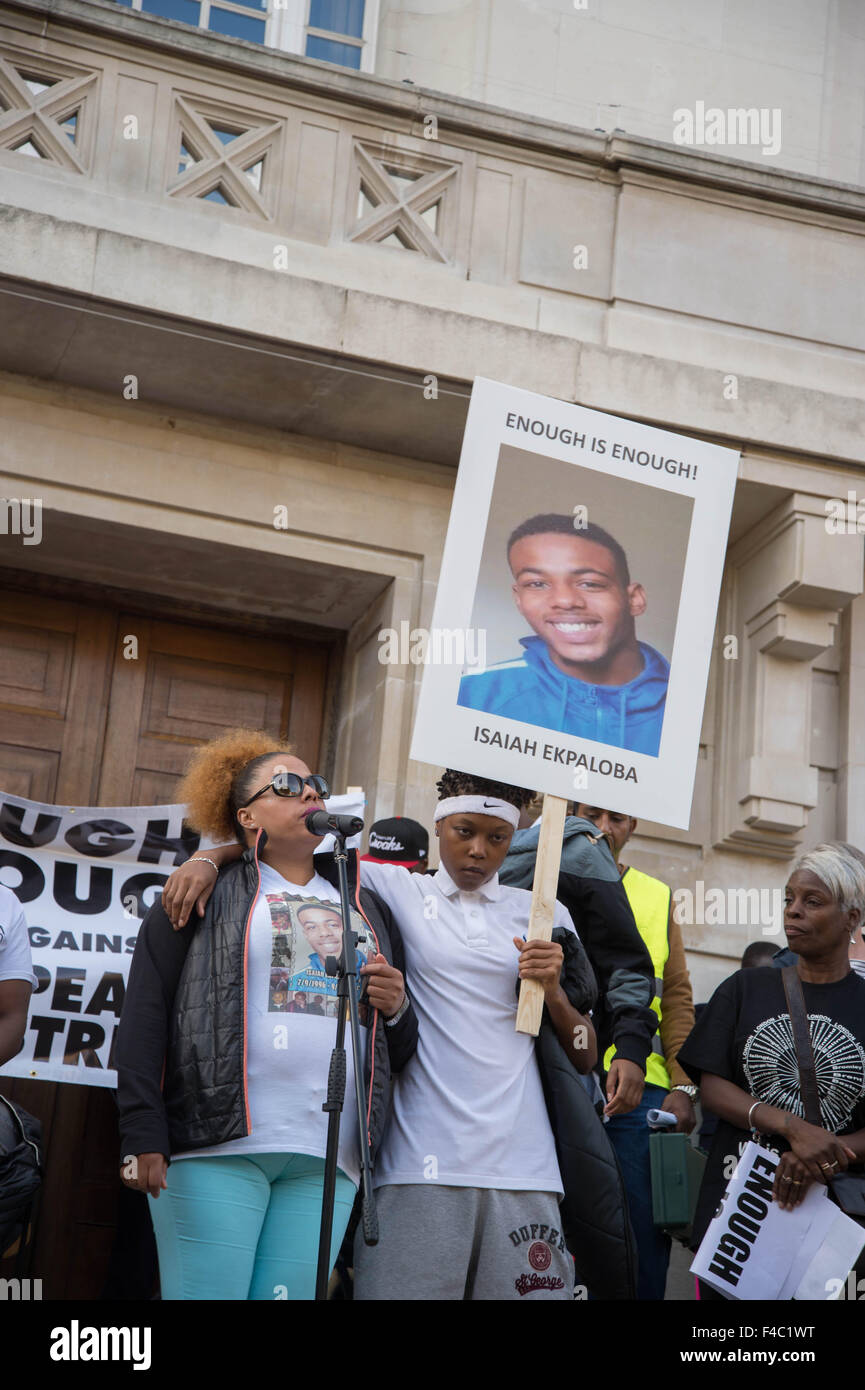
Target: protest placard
column 581, row 572
column 753, row 1249
column 85, row 877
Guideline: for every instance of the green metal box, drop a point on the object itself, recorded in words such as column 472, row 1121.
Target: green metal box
column 677, row 1171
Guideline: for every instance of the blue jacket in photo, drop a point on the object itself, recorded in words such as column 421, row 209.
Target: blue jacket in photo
column 532, row 690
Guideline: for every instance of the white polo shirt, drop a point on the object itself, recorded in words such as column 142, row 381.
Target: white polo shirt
column 468, row 1108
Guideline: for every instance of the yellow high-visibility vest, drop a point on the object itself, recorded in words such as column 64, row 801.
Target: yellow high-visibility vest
column 650, row 904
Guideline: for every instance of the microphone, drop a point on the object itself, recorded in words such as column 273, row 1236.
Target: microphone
column 320, row 823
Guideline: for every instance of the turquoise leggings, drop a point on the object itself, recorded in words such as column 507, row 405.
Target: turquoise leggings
column 245, row 1227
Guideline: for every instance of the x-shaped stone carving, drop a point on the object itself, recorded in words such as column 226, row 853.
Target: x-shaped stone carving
column 400, row 209
column 37, row 116
column 217, row 164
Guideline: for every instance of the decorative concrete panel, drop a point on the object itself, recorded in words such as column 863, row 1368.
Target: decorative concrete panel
column 567, row 239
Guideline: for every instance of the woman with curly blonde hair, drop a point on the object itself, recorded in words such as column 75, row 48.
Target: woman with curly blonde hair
column 216, row 1077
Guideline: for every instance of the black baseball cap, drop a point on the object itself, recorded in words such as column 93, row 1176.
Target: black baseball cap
column 397, row 840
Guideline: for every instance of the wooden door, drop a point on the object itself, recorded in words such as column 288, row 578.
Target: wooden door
column 184, row 685
column 54, row 677
column 102, row 707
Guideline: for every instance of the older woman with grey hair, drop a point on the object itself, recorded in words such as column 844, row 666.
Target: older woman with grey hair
column 741, row 1052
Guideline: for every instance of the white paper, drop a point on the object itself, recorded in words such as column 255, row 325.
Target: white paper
column 661, row 1119
column 823, row 1219
column 832, row 1262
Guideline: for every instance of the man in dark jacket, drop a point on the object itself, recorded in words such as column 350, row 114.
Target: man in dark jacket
column 590, row 887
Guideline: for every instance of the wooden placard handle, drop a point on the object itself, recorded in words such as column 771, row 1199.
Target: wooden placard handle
column 546, row 881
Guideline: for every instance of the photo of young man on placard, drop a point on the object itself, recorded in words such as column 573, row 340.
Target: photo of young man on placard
column 584, row 557
column 588, row 668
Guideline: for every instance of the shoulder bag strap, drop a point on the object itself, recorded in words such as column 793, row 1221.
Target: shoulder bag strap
column 802, row 1044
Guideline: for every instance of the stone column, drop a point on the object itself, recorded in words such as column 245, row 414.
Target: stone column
column 851, row 772
column 787, row 583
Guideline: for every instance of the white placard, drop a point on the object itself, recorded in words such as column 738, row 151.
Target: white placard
column 753, row 1249
column 584, row 684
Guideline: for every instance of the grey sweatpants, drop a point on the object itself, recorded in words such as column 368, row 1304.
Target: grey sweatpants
column 445, row 1243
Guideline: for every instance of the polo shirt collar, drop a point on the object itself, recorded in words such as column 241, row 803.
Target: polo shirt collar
column 491, row 890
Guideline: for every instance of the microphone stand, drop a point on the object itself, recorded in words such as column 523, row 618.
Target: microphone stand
column 346, row 969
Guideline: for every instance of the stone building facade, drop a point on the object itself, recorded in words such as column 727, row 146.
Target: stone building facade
column 245, row 294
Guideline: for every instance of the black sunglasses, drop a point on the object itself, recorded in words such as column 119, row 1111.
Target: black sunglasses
column 291, row 784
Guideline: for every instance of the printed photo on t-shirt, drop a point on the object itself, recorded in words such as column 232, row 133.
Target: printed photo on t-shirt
column 306, row 931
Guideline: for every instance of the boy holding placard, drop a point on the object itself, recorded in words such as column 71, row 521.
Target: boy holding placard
column 468, row 1179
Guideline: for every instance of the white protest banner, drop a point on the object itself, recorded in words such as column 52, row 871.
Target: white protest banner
column 753, row 1249
column 575, row 612
column 85, row 877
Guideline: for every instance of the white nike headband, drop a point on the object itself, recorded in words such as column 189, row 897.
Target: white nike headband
column 478, row 805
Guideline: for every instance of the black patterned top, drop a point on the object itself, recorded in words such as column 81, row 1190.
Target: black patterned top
column 744, row 1035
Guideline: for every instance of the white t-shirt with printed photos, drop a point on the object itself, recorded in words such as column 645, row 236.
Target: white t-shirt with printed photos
column 291, row 1013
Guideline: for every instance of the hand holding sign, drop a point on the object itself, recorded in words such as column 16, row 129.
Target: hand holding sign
column 546, row 882
column 815, row 1155
column 541, row 961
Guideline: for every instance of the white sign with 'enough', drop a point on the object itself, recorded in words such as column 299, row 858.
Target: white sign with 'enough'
column 755, row 1250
